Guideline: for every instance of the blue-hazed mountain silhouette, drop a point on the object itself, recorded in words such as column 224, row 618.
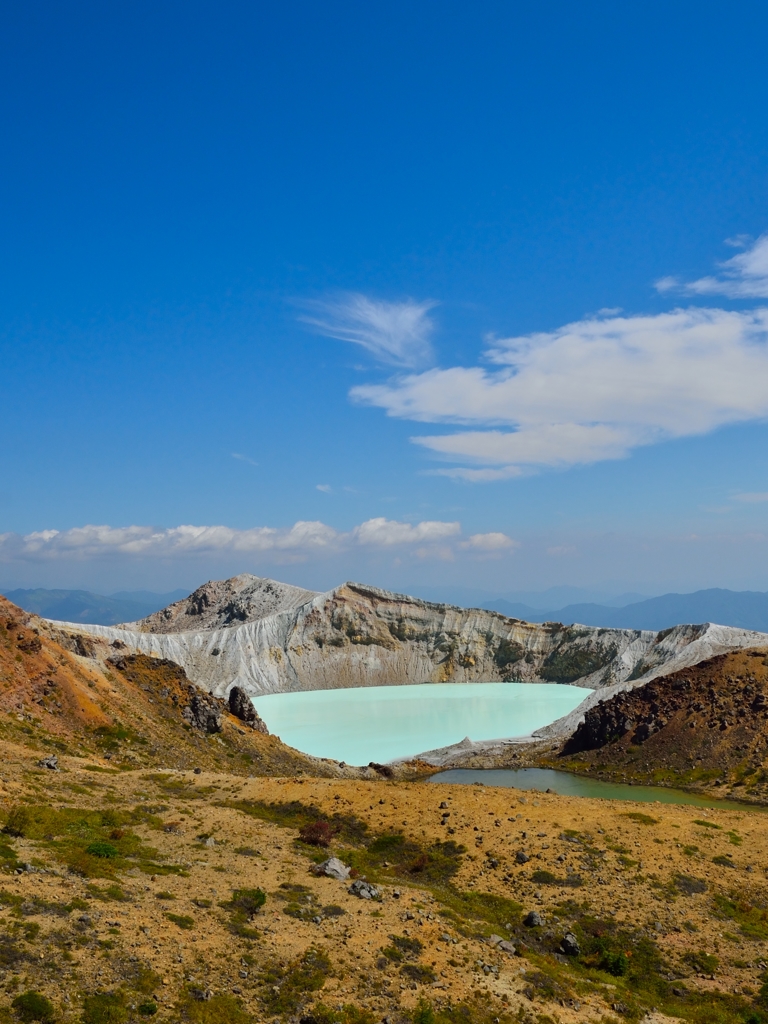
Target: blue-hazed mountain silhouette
column 83, row 606
column 746, row 609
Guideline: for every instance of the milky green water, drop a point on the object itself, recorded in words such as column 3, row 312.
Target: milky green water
column 382, row 723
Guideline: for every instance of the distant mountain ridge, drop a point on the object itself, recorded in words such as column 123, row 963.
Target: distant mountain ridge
column 744, row 609
column 84, row 606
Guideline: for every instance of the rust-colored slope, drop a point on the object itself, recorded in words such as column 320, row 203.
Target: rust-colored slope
column 706, row 725
column 41, row 685
column 126, row 711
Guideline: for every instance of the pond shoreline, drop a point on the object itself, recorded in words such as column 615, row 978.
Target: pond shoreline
column 570, row 784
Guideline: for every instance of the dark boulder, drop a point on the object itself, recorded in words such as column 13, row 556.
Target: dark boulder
column 570, row 945
column 204, row 713
column 241, row 707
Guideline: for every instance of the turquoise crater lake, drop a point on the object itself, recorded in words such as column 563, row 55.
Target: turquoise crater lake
column 383, row 723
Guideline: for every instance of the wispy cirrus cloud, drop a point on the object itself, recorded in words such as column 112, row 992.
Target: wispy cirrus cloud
column 752, row 497
column 588, row 391
column 244, row 458
column 744, row 276
column 393, row 332
column 298, row 542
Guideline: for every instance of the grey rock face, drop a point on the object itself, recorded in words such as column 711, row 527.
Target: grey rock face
column 364, row 890
column 333, row 868
column 243, row 598
column 51, row 762
column 533, row 919
column 507, row 947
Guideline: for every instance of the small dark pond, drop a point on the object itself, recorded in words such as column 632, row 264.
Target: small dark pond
column 566, row 784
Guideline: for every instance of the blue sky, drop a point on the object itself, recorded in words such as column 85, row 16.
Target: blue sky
column 474, row 294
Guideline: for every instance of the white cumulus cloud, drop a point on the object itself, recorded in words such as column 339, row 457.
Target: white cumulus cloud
column 744, row 276
column 394, row 332
column 388, row 532
column 588, row 391
column 490, row 542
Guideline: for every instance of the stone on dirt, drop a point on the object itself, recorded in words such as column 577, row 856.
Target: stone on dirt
column 333, row 868
column 363, row 889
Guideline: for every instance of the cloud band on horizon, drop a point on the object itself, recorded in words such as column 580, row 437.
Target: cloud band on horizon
column 430, row 538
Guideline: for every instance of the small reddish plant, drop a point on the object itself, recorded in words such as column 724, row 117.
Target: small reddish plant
column 317, row 833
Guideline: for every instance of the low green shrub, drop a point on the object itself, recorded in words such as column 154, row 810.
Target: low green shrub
column 104, row 1008
column 703, row 963
column 183, row 921
column 286, row 989
column 33, row 1006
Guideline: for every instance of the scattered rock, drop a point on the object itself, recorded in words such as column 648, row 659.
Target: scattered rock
column 201, row 995
column 363, row 889
column 507, row 947
column 494, row 940
column 570, row 945
column 332, row 868
column 522, row 857
column 204, row 713
column 198, row 771
column 29, row 644
column 76, row 643
column 533, row 919
column 51, row 762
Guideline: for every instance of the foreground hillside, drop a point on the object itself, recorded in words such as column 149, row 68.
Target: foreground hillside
column 146, row 874
column 268, row 637
column 174, row 896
